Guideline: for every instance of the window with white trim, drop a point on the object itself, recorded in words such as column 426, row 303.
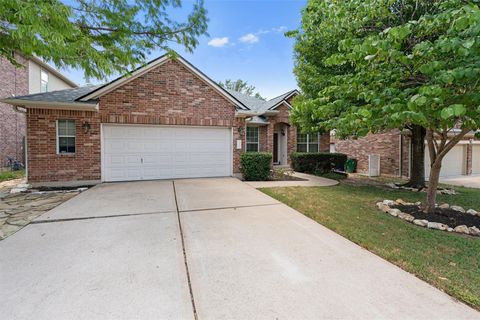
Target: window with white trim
column 66, row 133
column 307, row 142
column 252, row 139
column 43, row 80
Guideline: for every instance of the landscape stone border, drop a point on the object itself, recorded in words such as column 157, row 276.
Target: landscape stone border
column 386, row 206
column 439, row 190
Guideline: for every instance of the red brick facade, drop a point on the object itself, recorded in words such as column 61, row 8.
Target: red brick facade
column 167, row 95
column 386, row 144
column 44, row 164
column 394, row 150
column 13, row 81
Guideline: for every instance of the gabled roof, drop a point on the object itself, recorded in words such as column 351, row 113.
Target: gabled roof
column 262, row 106
column 153, row 64
column 88, row 96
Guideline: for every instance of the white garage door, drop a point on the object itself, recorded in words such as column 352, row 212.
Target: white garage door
column 159, row 152
column 453, row 164
column 476, row 159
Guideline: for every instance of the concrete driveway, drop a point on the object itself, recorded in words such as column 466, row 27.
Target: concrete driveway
column 205, row 249
column 466, row 181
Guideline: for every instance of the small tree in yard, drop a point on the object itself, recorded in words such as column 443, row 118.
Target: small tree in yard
column 421, row 69
column 100, row 37
column 241, row 86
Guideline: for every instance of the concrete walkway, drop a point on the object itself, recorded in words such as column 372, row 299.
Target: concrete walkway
column 204, row 248
column 310, row 181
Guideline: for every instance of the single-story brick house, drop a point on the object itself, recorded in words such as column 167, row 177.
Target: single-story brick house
column 393, row 151
column 164, row 120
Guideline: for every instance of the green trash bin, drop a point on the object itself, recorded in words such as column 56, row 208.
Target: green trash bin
column 351, row 165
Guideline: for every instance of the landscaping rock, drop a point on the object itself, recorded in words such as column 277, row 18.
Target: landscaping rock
column 418, row 203
column 385, row 208
column 422, row 223
column 406, row 217
column 444, row 206
column 462, row 229
column 379, row 205
column 437, row 225
column 389, row 203
column 394, row 212
column 458, row 208
column 474, row 231
column 392, row 185
column 472, row 212
column 400, row 201
column 450, row 229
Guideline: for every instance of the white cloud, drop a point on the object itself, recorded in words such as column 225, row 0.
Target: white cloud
column 218, row 42
column 279, row 29
column 249, row 38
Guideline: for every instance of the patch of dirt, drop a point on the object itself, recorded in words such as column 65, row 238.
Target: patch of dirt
column 61, row 188
column 451, row 218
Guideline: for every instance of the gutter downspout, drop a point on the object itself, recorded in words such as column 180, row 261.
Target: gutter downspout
column 400, row 153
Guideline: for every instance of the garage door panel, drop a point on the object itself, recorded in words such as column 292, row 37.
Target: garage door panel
column 156, row 152
column 453, row 164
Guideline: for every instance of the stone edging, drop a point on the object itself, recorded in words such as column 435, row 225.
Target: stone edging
column 386, row 205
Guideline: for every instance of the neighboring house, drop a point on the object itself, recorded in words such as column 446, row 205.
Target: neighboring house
column 35, row 76
column 164, row 120
column 394, row 152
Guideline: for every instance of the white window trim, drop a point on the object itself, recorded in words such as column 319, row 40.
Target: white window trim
column 308, row 143
column 65, row 136
column 258, row 139
column 41, row 80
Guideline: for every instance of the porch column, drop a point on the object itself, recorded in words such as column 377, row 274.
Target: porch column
column 469, row 159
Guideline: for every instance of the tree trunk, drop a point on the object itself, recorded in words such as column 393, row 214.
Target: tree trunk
column 439, row 145
column 417, row 168
column 433, row 185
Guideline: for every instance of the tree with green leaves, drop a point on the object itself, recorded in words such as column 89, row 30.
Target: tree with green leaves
column 241, row 86
column 392, row 64
column 100, row 37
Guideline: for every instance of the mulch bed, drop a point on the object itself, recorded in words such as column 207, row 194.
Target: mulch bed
column 450, row 217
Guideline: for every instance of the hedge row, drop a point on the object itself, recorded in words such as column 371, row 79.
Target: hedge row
column 318, row 162
column 256, row 165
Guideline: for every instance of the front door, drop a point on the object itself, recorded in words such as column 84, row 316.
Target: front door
column 275, row 148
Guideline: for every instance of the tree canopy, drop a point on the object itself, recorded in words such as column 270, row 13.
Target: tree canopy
column 241, row 86
column 369, row 65
column 100, row 37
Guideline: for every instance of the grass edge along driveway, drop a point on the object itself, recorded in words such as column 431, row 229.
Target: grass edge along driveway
column 448, row 261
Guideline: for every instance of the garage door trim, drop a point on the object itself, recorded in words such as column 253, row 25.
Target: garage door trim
column 102, row 142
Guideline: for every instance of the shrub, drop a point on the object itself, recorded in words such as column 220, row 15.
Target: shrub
column 317, row 162
column 256, row 165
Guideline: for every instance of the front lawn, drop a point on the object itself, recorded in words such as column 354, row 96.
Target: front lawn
column 10, row 175
column 448, row 261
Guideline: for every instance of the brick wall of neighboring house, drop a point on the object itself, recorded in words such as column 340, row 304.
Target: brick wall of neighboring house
column 44, row 164
column 167, row 95
column 385, row 144
column 13, row 81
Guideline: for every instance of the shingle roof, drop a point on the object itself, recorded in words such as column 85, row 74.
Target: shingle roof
column 258, row 105
column 67, row 95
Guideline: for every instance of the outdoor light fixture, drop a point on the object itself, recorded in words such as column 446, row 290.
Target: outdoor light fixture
column 240, row 130
column 282, row 132
column 86, row 126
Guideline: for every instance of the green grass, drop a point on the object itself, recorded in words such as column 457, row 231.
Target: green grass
column 448, row 261
column 10, row 175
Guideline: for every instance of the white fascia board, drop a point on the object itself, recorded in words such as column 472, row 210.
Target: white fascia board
column 29, row 104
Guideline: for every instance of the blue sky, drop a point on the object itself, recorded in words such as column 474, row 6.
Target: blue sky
column 246, row 41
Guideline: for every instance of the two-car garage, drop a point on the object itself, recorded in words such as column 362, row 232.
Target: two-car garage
column 455, row 162
column 144, row 152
